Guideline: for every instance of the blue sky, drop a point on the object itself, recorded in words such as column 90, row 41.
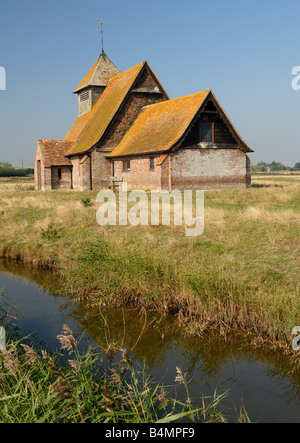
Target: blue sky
column 244, row 50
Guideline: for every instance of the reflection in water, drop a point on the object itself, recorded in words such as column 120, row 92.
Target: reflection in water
column 259, row 378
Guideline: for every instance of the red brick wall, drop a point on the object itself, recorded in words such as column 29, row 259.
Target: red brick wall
column 140, row 175
column 191, row 168
column 166, row 176
column 86, row 174
column 101, row 170
column 50, row 178
column 81, row 172
column 65, row 181
column 45, row 173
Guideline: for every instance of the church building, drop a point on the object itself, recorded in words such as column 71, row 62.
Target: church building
column 128, row 129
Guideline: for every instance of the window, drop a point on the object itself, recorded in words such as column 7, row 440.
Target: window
column 206, row 132
column 59, row 173
column 151, row 162
column 126, row 165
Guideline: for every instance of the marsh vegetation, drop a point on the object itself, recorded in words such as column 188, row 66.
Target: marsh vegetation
column 242, row 273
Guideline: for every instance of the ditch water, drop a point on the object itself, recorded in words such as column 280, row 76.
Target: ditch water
column 257, row 378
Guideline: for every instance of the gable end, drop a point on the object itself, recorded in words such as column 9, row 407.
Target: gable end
column 223, row 134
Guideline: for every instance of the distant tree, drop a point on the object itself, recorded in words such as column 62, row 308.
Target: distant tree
column 277, row 166
column 274, row 166
column 259, row 167
column 297, row 167
column 280, row 166
column 7, row 170
column 6, row 165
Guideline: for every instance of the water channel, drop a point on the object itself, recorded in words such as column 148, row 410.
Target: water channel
column 259, row 379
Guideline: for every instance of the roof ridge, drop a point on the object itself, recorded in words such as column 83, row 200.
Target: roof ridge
column 127, row 70
column 177, row 98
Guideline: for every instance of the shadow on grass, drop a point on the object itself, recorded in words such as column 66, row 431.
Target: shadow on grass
column 259, row 185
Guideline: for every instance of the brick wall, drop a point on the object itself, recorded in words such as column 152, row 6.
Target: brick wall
column 140, row 175
column 101, row 169
column 47, row 180
column 44, row 183
column 77, row 178
column 85, row 170
column 62, row 180
column 195, row 168
column 188, row 168
column 127, row 116
column 248, row 172
column 38, row 169
column 166, row 174
column 81, row 172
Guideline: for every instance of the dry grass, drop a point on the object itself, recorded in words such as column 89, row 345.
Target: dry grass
column 243, row 272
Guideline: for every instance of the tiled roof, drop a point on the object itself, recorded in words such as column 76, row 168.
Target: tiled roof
column 53, row 152
column 77, row 127
column 160, row 126
column 100, row 74
column 87, row 130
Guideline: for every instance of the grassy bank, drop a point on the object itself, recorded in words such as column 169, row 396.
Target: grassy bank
column 242, row 273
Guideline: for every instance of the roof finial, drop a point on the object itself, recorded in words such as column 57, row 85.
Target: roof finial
column 101, row 23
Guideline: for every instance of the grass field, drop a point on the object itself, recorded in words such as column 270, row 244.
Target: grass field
column 242, row 273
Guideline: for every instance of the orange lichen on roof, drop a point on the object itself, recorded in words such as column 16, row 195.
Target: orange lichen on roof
column 103, row 111
column 53, row 152
column 86, row 80
column 100, row 74
column 160, row 126
column 77, row 127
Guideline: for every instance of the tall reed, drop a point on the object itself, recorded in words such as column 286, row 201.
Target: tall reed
column 70, row 387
